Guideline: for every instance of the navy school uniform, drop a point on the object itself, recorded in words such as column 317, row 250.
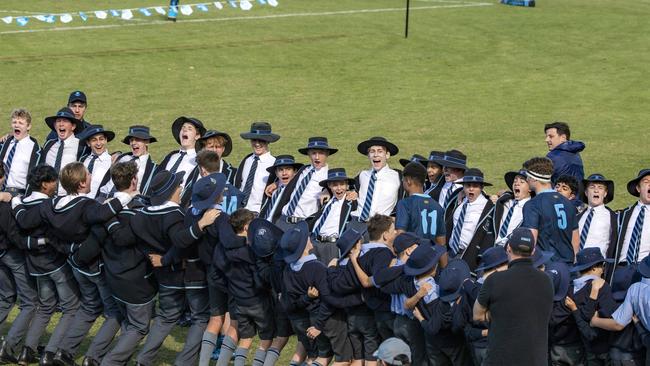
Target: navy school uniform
column 501, row 209
column 433, row 189
column 626, row 226
column 54, row 277
column 149, row 169
column 189, row 178
column 278, row 217
column 555, row 219
column 270, row 270
column 321, row 312
column 452, row 203
column 329, row 231
column 626, row 346
column 563, row 334
column 473, row 329
column 422, row 215
column 69, row 225
column 229, row 171
column 18, row 165
column 162, row 230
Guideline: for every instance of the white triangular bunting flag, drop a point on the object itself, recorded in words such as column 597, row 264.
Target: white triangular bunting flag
column 42, row 18
column 100, row 14
column 186, row 10
column 273, row 3
column 8, row 19
column 218, row 5
column 160, row 10
column 127, row 14
column 245, row 5
column 66, row 18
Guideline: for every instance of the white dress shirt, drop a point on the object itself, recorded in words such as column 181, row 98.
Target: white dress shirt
column 308, row 202
column 101, row 166
column 333, row 220
column 472, row 217
column 259, row 183
column 17, row 177
column 598, row 230
column 70, row 149
column 644, row 243
column 187, row 164
column 445, row 188
column 384, row 196
column 515, row 220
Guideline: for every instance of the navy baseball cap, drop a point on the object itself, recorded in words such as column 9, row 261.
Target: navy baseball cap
column 77, row 96
column 522, row 239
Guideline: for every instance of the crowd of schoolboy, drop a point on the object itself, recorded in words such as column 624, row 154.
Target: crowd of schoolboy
column 274, row 248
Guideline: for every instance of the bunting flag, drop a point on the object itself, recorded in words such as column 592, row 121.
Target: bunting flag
column 129, row 14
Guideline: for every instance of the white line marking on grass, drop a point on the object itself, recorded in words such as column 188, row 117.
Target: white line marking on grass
column 274, row 16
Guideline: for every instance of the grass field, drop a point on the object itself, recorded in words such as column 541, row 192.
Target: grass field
column 477, row 76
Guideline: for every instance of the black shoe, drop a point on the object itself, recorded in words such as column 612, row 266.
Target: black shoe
column 47, row 359
column 5, row 355
column 27, row 356
column 89, row 362
column 63, row 358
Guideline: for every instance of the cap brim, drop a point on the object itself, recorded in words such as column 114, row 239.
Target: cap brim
column 363, row 147
column 270, row 137
column 305, row 150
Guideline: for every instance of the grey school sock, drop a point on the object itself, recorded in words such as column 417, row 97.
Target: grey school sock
column 207, row 347
column 260, row 357
column 227, row 349
column 240, row 356
column 272, row 355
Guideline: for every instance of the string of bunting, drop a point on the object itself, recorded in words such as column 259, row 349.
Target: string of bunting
column 128, row 14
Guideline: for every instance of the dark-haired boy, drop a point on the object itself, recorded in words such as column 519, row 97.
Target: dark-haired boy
column 564, row 152
column 99, row 161
column 551, row 217
column 209, row 162
column 508, row 209
column 569, row 187
column 435, row 176
column 19, row 153
column 284, row 168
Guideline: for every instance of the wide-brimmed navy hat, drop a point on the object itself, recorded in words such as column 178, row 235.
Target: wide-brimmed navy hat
column 589, row 257
column 623, row 278
column 206, row 190
column 347, row 241
column 492, row 257
column 473, row 175
column 66, row 113
column 260, row 131
column 294, row 241
column 558, row 272
column 163, row 186
column 138, row 132
column 77, row 96
column 377, row 141
column 541, row 257
column 264, row 237
column 336, row 175
column 644, row 267
column 227, row 149
column 452, row 159
column 434, row 156
column 631, row 185
column 509, row 177
column 423, row 258
column 284, row 160
column 416, row 158
column 452, row 279
column 93, row 130
column 317, row 143
column 405, row 240
column 178, row 124
column 598, row 178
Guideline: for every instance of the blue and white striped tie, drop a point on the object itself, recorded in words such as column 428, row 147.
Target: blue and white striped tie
column 585, row 228
column 454, row 243
column 365, row 211
column 506, row 222
column 323, row 216
column 10, row 158
column 448, row 196
column 635, row 240
column 298, row 192
column 248, row 187
column 274, row 200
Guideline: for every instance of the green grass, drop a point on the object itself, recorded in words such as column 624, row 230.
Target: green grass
column 482, row 79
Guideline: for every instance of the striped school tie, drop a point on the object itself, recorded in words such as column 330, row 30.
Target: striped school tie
column 91, row 165
column 248, row 187
column 10, row 158
column 174, row 168
column 635, row 240
column 298, row 192
column 506, row 222
column 365, row 211
column 454, row 243
column 274, row 200
column 448, row 196
column 59, row 157
column 585, row 228
column 323, row 216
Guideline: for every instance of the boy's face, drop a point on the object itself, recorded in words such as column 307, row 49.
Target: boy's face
column 453, row 174
column 596, row 193
column 285, row 173
column 188, row 135
column 85, row 188
column 378, row 156
column 212, row 144
column 553, row 139
column 433, row 171
column 139, row 147
column 644, row 189
column 390, row 234
column 20, row 127
column 97, row 143
column 259, row 147
column 64, row 128
column 472, row 190
column 520, row 188
column 565, row 190
column 318, row 157
column 79, row 109
column 338, row 187
column 49, row 188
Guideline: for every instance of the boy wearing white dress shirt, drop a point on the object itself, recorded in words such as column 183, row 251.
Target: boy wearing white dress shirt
column 508, row 210
column 634, row 240
column 19, row 153
column 99, row 161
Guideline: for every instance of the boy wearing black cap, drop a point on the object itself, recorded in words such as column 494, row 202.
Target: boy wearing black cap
column 19, row 153
column 634, row 240
column 592, row 294
column 220, row 143
column 252, row 176
column 598, row 225
column 508, row 209
column 99, row 161
column 551, row 217
column 284, row 168
column 332, row 218
column 419, row 213
column 470, row 229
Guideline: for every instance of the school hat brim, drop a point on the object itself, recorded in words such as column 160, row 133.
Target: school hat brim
column 415, row 158
column 543, row 256
column 608, row 183
column 347, row 241
column 296, row 166
column 305, row 150
column 163, row 196
column 416, row 271
column 449, row 164
column 88, row 133
column 178, row 124
column 487, row 266
column 218, row 183
column 51, row 120
column 350, row 181
column 137, row 135
column 264, row 237
column 631, row 185
column 363, row 147
column 211, row 133
column 583, row 266
column 299, row 233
